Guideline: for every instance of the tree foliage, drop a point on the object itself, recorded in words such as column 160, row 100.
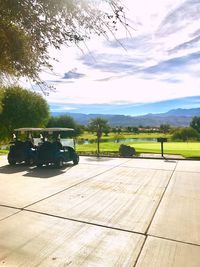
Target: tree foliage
column 118, row 137
column 195, row 123
column 185, row 134
column 29, row 27
column 21, row 108
column 99, row 126
column 164, row 128
column 65, row 121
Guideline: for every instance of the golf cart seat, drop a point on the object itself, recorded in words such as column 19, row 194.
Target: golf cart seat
column 19, row 152
column 57, row 145
column 28, row 144
column 71, row 151
column 17, row 149
column 45, row 150
column 21, row 147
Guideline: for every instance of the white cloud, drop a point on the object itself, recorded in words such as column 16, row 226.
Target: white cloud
column 61, row 109
column 159, row 62
column 126, row 89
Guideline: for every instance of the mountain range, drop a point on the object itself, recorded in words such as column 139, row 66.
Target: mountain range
column 174, row 117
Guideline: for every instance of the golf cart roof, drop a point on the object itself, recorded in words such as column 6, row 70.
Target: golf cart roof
column 28, row 129
column 56, row 129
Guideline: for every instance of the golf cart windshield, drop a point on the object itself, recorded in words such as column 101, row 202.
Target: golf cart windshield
column 67, row 142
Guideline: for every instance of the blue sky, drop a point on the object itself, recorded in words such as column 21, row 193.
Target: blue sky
column 153, row 69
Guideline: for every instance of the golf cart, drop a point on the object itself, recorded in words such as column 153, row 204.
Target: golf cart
column 56, row 148
column 23, row 148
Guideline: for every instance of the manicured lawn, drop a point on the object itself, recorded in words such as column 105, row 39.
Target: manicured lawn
column 186, row 149
column 91, row 136
column 3, row 152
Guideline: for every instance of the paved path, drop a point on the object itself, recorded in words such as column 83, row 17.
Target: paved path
column 103, row 212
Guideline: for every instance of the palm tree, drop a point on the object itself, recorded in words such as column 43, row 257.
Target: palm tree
column 98, row 125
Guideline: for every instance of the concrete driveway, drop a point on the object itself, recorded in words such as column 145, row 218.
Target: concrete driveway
column 102, row 212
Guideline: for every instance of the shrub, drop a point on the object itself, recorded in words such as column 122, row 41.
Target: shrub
column 185, row 134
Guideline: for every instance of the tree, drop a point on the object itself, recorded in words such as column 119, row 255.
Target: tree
column 135, row 130
column 65, row 122
column 128, row 129
column 98, row 125
column 195, row 123
column 118, row 137
column 185, row 134
column 106, row 130
column 164, row 128
column 118, row 129
column 21, row 108
column 29, row 27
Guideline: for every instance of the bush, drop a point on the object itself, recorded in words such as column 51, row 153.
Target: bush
column 185, row 134
column 126, row 151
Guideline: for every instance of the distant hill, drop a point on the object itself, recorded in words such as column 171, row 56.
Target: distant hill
column 184, row 112
column 175, row 117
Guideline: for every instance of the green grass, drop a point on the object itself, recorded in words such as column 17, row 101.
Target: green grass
column 186, row 149
column 3, row 152
column 104, row 146
column 91, row 136
column 190, row 149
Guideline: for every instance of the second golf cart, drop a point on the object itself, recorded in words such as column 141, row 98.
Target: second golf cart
column 56, row 148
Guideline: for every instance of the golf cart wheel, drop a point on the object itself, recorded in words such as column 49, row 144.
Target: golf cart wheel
column 11, row 162
column 29, row 162
column 76, row 159
column 39, row 165
column 59, row 163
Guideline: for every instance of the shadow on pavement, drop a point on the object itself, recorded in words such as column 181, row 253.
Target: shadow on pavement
column 170, row 160
column 7, row 169
column 98, row 159
column 47, row 171
column 43, row 172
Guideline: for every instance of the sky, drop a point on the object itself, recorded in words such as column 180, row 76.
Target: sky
column 152, row 68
